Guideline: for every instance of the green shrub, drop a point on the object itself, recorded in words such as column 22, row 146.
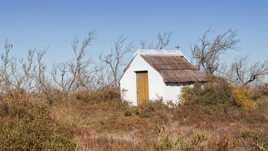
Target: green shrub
column 221, row 94
column 187, row 95
column 25, row 126
column 215, row 91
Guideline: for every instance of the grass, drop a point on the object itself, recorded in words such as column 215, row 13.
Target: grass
column 158, row 127
column 89, row 122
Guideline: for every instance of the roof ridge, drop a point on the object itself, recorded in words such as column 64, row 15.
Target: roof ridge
column 159, row 52
column 166, row 54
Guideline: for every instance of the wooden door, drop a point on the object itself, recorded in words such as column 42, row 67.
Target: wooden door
column 142, row 87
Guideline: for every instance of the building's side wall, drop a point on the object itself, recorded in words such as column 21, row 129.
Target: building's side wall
column 172, row 93
column 128, row 81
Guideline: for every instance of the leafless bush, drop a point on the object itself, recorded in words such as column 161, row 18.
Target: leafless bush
column 30, row 73
column 26, row 73
column 162, row 41
column 7, row 68
column 207, row 53
column 115, row 59
column 75, row 74
column 42, row 82
column 243, row 73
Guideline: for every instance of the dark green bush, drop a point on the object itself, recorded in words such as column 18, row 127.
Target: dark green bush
column 24, row 126
column 215, row 91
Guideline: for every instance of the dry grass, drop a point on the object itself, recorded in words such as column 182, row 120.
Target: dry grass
column 112, row 125
column 103, row 122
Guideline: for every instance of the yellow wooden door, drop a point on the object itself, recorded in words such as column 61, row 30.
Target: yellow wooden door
column 142, row 87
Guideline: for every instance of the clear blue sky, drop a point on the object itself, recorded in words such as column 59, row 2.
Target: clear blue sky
column 53, row 24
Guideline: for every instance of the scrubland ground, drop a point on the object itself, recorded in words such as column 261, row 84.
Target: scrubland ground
column 99, row 121
column 112, row 126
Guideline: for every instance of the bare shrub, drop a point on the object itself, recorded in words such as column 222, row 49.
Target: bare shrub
column 28, row 73
column 115, row 59
column 243, row 73
column 208, row 52
column 7, row 68
column 76, row 73
column 162, row 41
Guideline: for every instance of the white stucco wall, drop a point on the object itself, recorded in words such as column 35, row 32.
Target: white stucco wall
column 128, row 81
column 172, row 93
column 157, row 88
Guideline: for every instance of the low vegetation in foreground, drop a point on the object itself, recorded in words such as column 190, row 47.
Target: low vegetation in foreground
column 215, row 116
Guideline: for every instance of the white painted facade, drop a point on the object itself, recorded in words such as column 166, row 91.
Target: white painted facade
column 157, row 87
